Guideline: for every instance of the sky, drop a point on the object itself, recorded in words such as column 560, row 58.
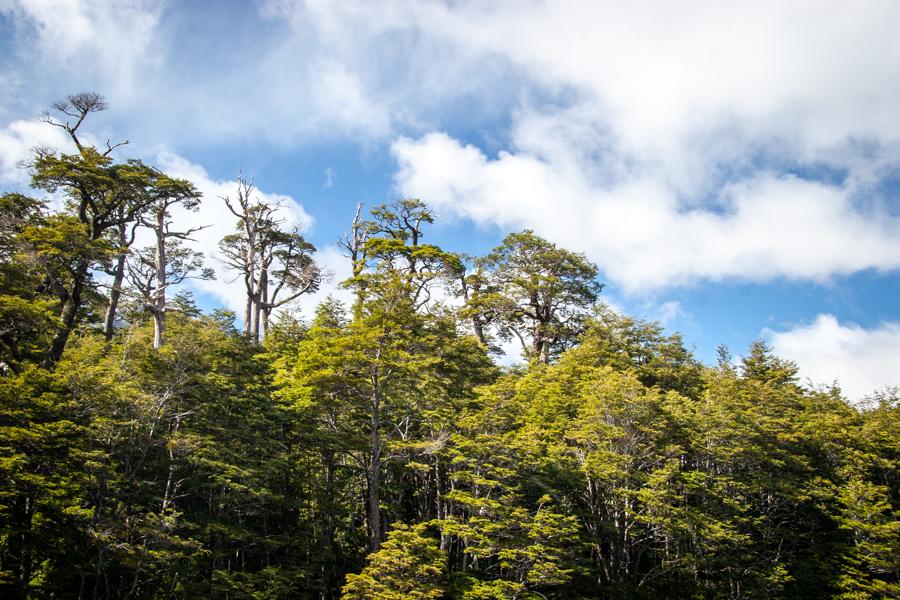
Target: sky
column 732, row 167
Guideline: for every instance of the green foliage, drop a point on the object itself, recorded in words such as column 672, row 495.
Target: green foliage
column 536, row 290
column 408, row 566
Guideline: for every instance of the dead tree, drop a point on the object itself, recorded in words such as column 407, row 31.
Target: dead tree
column 151, row 282
column 276, row 265
column 153, row 271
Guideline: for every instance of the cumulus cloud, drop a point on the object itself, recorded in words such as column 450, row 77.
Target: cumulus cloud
column 669, row 84
column 674, row 143
column 861, row 360
column 640, row 232
column 654, row 72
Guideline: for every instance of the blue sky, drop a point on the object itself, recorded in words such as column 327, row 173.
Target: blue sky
column 732, row 167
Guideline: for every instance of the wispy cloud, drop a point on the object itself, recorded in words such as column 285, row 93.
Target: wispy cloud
column 330, row 176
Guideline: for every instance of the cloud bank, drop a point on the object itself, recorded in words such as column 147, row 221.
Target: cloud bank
column 641, row 233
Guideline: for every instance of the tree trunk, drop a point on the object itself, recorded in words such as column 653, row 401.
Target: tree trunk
column 109, row 321
column 250, row 279
column 159, row 328
column 263, row 309
column 545, row 352
column 159, row 315
column 259, row 305
column 248, row 310
column 68, row 316
column 375, row 476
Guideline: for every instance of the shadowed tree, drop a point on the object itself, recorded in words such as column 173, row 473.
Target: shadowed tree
column 75, row 109
column 102, row 197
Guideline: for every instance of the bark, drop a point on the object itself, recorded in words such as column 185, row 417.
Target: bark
column 68, row 315
column 250, row 280
column 479, row 331
column 159, row 328
column 159, row 313
column 115, row 293
column 375, row 475
column 259, row 310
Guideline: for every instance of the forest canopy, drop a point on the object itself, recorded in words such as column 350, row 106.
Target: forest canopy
column 377, row 450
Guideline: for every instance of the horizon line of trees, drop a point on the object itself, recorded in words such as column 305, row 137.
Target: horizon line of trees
column 376, row 451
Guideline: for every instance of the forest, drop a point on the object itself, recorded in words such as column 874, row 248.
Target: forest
column 378, row 449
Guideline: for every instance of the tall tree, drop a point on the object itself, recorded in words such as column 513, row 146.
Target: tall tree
column 170, row 263
column 540, row 292
column 177, row 263
column 75, row 109
column 101, row 196
column 269, row 259
column 389, row 245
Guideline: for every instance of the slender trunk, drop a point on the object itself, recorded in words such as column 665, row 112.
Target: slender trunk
column 250, row 279
column 159, row 328
column 479, row 331
column 169, row 492
column 115, row 292
column 159, row 315
column 248, row 310
column 536, row 345
column 264, row 309
column 375, row 476
column 69, row 315
column 254, row 321
column 258, row 307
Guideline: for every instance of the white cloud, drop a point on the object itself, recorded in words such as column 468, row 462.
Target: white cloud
column 655, row 136
column 654, row 72
column 18, row 139
column 639, row 231
column 112, row 41
column 861, row 360
column 665, row 150
column 330, row 176
column 667, row 312
column 669, row 84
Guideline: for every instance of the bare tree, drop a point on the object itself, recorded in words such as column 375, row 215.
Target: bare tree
column 276, row 265
column 354, row 244
column 143, row 268
column 154, row 270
